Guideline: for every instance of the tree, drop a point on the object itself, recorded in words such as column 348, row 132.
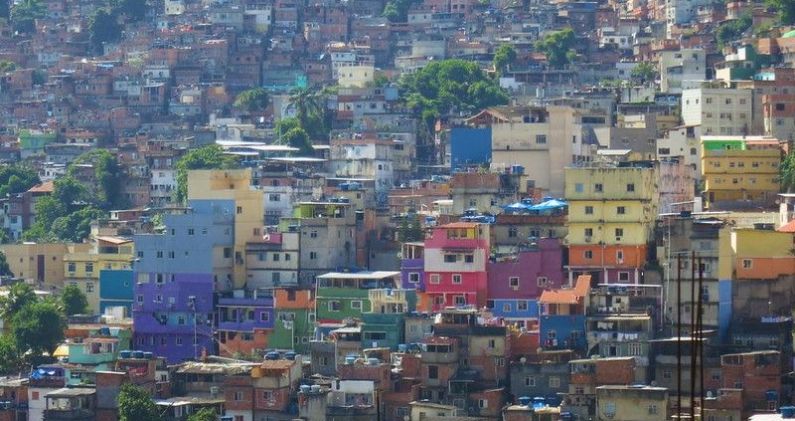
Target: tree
column 108, row 176
column 298, row 138
column 310, row 109
column 557, row 46
column 207, row 157
column 73, row 300
column 397, row 11
column 7, row 65
column 19, row 295
column 644, row 72
column 39, row 327
column 135, row 404
column 787, row 173
column 204, row 414
column 17, row 179
column 785, row 10
column 254, row 100
column 25, row 13
column 733, row 29
column 5, row 270
column 9, row 355
column 76, row 226
column 284, row 125
column 103, row 28
column 504, row 57
column 70, row 192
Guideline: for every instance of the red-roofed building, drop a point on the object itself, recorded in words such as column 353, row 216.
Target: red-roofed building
column 562, row 316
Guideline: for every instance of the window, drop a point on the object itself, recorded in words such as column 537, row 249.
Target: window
column 158, row 298
column 554, row 381
column 239, row 210
column 267, row 395
column 227, row 252
column 191, row 231
column 89, row 267
column 521, row 305
column 483, row 403
column 178, row 341
column 264, row 316
column 513, row 282
column 530, row 381
column 469, row 258
column 598, row 188
column 652, row 409
column 171, row 254
column 356, row 305
column 312, row 255
column 623, row 276
column 276, row 257
column 334, row 306
column 163, row 340
column 506, row 307
column 460, row 300
column 457, row 279
column 619, row 233
column 71, row 267
column 181, row 320
column 588, row 254
column 287, row 257
column 630, row 187
column 541, row 139
column 434, row 279
column 621, row 210
column 542, row 281
column 238, row 396
column 433, row 372
column 588, row 232
column 274, row 197
column 89, row 287
column 140, row 299
column 578, row 187
column 414, row 278
column 589, row 210
column 492, row 344
column 747, row 263
column 667, row 374
column 313, row 234
column 450, row 258
column 512, row 232
column 620, row 256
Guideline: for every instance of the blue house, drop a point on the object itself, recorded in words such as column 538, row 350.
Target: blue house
column 562, row 317
column 470, row 146
column 116, row 289
column 515, row 310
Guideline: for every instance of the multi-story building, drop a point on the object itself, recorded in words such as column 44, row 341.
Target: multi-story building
column 629, row 402
column 364, row 156
column 37, row 262
column 611, row 215
column 456, row 256
column 343, row 296
column 83, row 267
column 384, row 323
column 273, row 261
column 778, row 114
column 682, row 143
column 542, row 141
column 562, row 316
column 590, row 374
column 621, row 319
column 719, row 111
column 740, row 169
column 679, row 67
column 244, row 322
column 294, row 324
column 173, row 309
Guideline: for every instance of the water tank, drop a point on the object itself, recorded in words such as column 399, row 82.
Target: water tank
column 272, row 356
column 315, row 388
column 125, row 354
column 517, row 169
column 373, row 361
column 788, row 412
column 524, row 400
column 149, row 355
column 290, row 355
column 137, row 354
column 305, row 388
column 349, row 360
column 402, row 348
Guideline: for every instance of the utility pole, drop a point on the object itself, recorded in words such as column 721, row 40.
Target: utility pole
column 679, row 335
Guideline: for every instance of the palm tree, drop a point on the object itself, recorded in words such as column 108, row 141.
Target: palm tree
column 19, row 295
column 307, row 104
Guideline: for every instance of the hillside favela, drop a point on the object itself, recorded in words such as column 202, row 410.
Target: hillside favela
column 397, row 210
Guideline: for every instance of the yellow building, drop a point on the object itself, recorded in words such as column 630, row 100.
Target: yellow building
column 41, row 263
column 762, row 253
column 612, row 210
column 83, row 263
column 631, row 403
column 249, row 208
column 735, row 168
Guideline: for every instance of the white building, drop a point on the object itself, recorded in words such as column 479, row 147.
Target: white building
column 677, row 67
column 719, row 111
column 685, row 142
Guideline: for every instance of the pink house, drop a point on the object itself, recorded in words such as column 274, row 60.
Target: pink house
column 456, row 257
column 528, row 273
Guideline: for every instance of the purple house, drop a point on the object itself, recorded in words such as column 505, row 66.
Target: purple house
column 244, row 323
column 515, row 283
column 412, row 266
column 176, row 274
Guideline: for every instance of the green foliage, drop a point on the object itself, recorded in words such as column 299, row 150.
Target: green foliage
column 9, row 355
column 785, row 10
column 39, row 327
column 133, row 10
column 410, row 229
column 76, row 226
column 504, row 57
column 135, row 404
column 787, row 173
column 19, row 295
column 310, row 109
column 7, row 65
column 284, row 125
column 207, row 157
column 104, row 28
column 644, row 72
column 63, row 215
column 204, row 414
column 733, row 30
column 254, row 100
column 298, row 138
column 380, row 80
column 25, row 13
column 70, row 192
column 557, row 46
column 17, row 179
column 73, row 300
column 5, row 270
column 108, row 177
column 397, row 10
column 449, row 86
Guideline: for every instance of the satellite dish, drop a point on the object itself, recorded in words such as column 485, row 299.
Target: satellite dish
column 523, row 360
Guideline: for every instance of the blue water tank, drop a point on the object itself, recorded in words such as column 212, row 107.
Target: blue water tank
column 137, row 354
column 272, row 356
column 125, row 354
column 290, row 355
column 788, row 412
column 149, row 355
column 524, row 400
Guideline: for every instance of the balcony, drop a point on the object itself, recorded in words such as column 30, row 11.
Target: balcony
column 244, row 325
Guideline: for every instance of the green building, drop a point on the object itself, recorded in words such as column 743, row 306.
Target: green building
column 345, row 295
column 293, row 329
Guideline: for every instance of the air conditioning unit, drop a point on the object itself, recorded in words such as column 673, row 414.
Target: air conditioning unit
column 618, row 238
column 588, row 239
